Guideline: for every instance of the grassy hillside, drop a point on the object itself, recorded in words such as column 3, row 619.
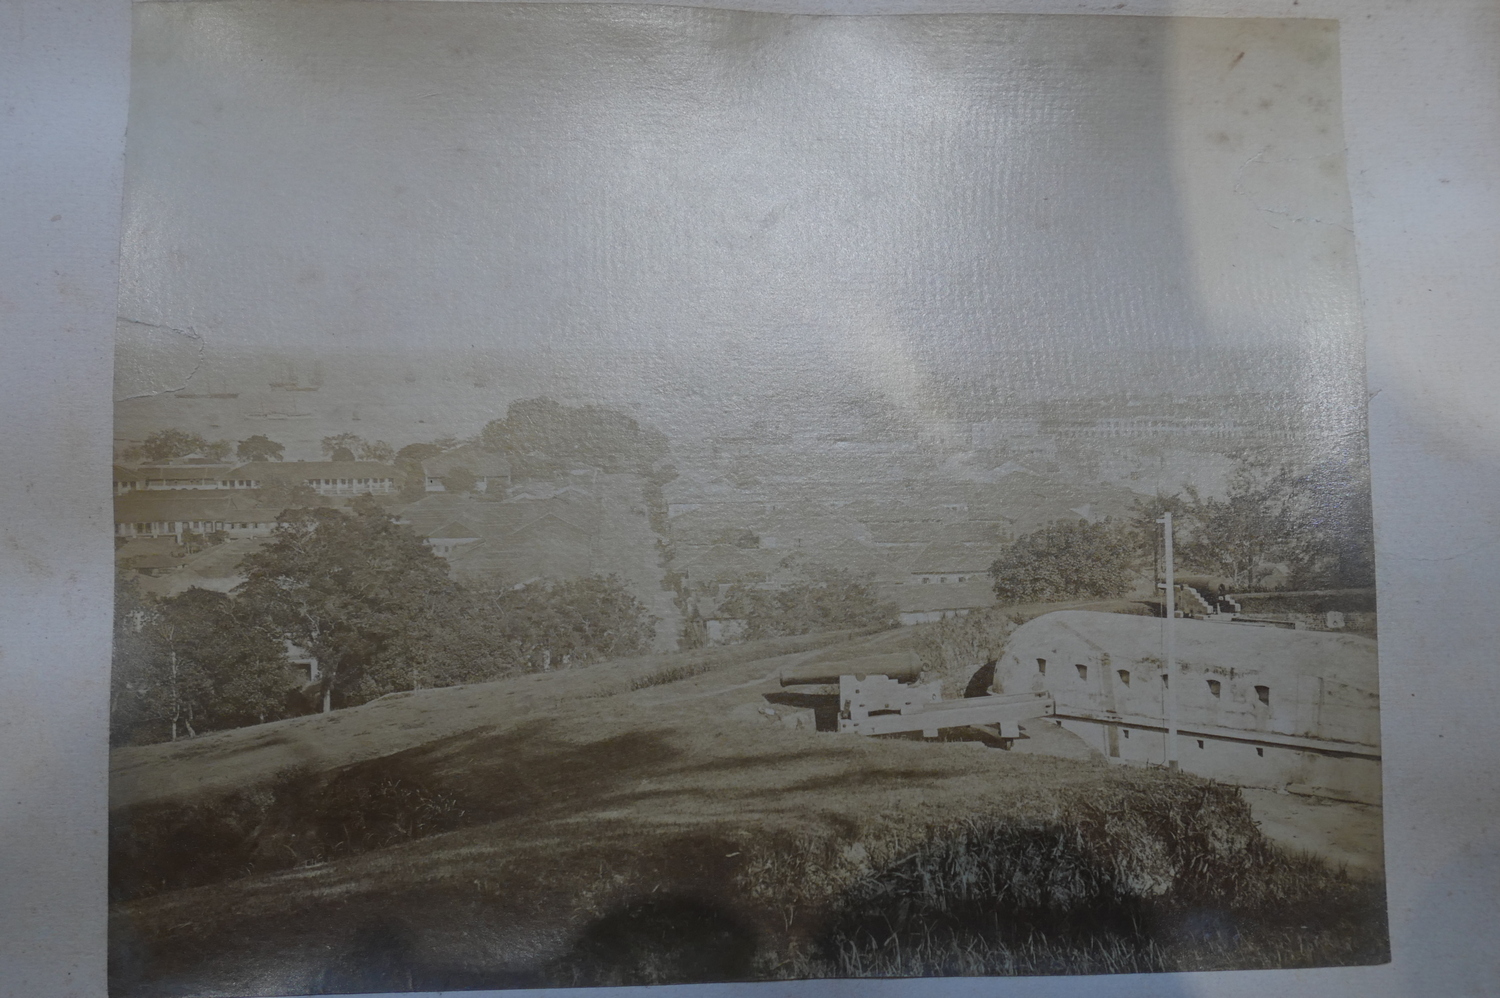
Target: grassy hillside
column 678, row 818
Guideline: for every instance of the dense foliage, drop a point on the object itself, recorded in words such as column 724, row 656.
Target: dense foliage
column 353, row 447
column 1273, row 527
column 540, row 436
column 345, row 588
column 166, row 445
column 1309, row 529
column 371, row 603
column 259, row 448
column 190, row 663
column 1065, row 560
column 473, row 635
column 824, row 599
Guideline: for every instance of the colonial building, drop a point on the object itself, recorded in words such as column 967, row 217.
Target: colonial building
column 151, row 514
column 951, row 563
column 342, row 478
column 172, row 477
column 327, row 478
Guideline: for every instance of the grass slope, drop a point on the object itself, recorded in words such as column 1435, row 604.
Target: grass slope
column 651, row 822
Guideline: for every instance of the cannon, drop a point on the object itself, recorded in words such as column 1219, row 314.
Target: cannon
column 903, row 667
column 878, row 705
column 883, row 695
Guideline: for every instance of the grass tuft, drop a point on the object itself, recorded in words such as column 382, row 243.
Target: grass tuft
column 671, row 674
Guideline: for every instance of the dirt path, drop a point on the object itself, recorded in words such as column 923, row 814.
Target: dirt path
column 1340, row 833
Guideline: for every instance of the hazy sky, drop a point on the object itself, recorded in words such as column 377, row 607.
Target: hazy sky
column 667, row 197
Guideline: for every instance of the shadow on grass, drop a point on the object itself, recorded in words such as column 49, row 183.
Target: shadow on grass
column 1141, row 874
column 301, row 817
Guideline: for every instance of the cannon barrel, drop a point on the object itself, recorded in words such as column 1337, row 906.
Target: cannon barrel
column 903, row 666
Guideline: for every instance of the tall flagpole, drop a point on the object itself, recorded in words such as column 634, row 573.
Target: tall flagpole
column 1170, row 650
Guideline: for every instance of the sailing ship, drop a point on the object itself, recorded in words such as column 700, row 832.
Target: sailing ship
column 290, row 382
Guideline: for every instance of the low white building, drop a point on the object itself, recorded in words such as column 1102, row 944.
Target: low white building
column 151, row 514
column 327, row 478
column 924, row 604
column 1256, row 706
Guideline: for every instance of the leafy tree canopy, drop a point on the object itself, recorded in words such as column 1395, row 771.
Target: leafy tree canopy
column 377, row 451
column 165, row 445
column 340, row 444
column 474, row 635
column 259, row 448
column 1063, row 561
column 190, row 663
column 345, row 587
column 541, row 435
column 1314, row 524
column 353, row 447
column 824, row 599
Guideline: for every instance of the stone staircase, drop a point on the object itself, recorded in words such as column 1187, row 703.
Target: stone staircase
column 1194, row 604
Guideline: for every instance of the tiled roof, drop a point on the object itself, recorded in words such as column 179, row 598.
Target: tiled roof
column 906, row 531
column 178, row 473
column 482, row 463
column 727, row 563
column 154, row 507
column 299, row 471
column 489, row 518
column 950, row 558
column 454, row 531
column 920, row 598
column 970, row 532
column 852, row 556
column 545, row 548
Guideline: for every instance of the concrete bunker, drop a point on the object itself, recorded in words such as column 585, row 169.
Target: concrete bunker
column 1258, row 706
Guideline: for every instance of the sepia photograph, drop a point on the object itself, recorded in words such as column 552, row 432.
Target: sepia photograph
column 620, row 494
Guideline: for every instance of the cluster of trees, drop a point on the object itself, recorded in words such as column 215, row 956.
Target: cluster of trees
column 1314, row 525
column 1312, row 528
column 166, row 445
column 170, row 444
column 371, row 603
column 259, row 448
column 1066, row 560
column 540, row 437
column 190, row 663
column 823, row 599
column 353, row 447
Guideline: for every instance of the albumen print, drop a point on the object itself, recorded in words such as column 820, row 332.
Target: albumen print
column 614, row 494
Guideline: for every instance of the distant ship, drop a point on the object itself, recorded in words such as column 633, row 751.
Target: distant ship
column 290, row 383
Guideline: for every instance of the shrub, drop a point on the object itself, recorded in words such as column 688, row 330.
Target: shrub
column 1065, row 560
